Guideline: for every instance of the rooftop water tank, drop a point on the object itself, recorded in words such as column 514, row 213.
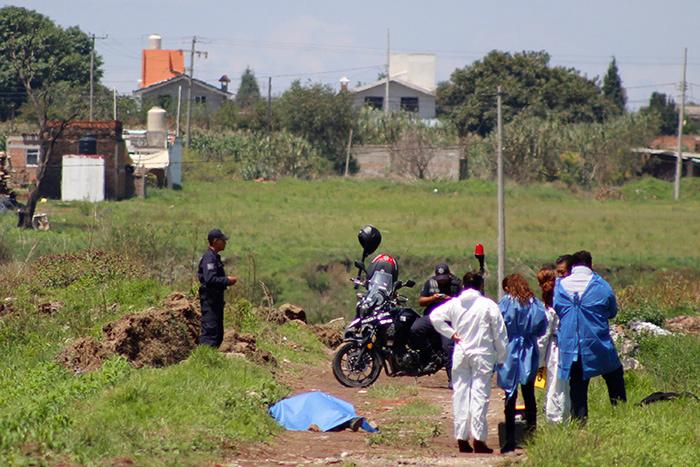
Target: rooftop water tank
column 87, row 145
column 156, row 127
column 154, row 41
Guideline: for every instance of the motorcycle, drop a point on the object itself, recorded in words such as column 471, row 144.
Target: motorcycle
column 380, row 335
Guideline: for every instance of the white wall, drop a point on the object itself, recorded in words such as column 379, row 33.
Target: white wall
column 418, row 69
column 83, row 178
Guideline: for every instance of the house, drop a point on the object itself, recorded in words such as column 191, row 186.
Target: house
column 412, row 86
column 164, row 81
column 165, row 94
column 106, row 148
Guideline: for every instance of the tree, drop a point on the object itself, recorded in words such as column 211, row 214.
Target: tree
column 46, row 60
column 320, row 115
column 248, row 92
column 612, row 88
column 529, row 86
column 665, row 109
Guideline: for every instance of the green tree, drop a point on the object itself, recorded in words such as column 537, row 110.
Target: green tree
column 248, row 92
column 320, row 115
column 45, row 60
column 612, row 88
column 530, row 85
column 665, row 109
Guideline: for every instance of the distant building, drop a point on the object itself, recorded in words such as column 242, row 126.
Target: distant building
column 106, row 144
column 165, row 94
column 412, row 86
column 163, row 77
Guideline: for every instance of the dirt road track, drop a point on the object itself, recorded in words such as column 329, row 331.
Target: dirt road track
column 349, row 448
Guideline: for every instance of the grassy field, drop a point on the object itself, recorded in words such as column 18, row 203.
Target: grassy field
column 298, row 238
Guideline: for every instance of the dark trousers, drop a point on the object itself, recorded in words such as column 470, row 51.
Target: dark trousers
column 614, row 380
column 426, row 339
column 528, row 391
column 212, row 320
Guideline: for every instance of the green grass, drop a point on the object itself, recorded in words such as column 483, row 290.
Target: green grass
column 410, row 425
column 295, row 236
column 663, row 433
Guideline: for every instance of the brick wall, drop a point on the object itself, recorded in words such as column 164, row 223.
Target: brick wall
column 377, row 161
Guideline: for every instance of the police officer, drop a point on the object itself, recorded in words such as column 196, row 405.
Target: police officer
column 213, row 283
column 439, row 288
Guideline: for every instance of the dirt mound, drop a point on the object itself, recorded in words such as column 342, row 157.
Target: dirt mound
column 330, row 337
column 155, row 337
column 83, row 355
column 684, row 324
column 245, row 345
column 284, row 313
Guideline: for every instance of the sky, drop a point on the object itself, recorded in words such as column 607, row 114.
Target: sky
column 323, row 40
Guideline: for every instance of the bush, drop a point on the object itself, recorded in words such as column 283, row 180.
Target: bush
column 254, row 155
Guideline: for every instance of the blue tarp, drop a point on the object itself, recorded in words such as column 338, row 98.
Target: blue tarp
column 299, row 412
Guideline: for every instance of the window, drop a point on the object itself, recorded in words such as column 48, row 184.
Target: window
column 164, row 101
column 32, row 157
column 409, row 104
column 200, row 99
column 374, row 102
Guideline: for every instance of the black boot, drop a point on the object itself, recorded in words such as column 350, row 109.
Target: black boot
column 480, row 447
column 464, row 445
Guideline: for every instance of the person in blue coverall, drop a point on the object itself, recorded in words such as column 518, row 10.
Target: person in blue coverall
column 585, row 302
column 526, row 321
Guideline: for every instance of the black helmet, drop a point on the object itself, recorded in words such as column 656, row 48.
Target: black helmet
column 370, row 238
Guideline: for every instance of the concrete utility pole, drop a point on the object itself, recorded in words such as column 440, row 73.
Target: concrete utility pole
column 388, row 78
column 681, row 114
column 501, row 197
column 114, row 102
column 92, row 69
column 269, row 104
column 189, row 87
column 177, row 116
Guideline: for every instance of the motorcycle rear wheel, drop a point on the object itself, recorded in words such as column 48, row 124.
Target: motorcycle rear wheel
column 353, row 370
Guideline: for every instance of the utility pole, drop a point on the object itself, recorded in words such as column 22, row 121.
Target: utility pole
column 388, row 78
column 681, row 114
column 92, row 68
column 501, row 197
column 177, row 116
column 269, row 104
column 114, row 102
column 189, row 87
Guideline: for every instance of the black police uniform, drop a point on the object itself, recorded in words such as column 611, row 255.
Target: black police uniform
column 213, row 282
column 422, row 330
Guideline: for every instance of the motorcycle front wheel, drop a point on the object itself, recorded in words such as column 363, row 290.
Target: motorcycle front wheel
column 355, row 366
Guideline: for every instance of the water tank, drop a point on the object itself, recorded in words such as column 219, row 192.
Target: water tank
column 87, row 145
column 154, row 41
column 156, row 127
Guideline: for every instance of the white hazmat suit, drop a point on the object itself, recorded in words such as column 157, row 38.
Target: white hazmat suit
column 557, row 404
column 483, row 341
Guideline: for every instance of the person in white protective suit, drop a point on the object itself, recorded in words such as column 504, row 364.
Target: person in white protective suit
column 481, row 339
column 557, row 404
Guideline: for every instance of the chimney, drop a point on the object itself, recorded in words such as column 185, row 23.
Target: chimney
column 344, row 81
column 224, row 83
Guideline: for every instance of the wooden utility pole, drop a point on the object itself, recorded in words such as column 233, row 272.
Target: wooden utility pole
column 388, row 78
column 501, row 196
column 92, row 71
column 681, row 115
column 347, row 154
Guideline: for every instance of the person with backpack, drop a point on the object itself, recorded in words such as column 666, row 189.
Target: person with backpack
column 525, row 320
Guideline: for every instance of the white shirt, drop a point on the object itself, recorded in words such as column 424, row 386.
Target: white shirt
column 578, row 280
column 479, row 323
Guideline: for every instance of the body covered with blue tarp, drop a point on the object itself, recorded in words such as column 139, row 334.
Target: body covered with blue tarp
column 300, row 412
column 584, row 331
column 525, row 323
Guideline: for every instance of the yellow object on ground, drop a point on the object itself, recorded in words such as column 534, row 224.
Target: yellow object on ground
column 541, row 378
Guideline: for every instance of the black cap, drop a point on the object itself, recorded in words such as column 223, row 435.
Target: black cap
column 442, row 272
column 216, row 233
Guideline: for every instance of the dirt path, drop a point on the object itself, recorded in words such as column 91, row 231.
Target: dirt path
column 349, row 448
